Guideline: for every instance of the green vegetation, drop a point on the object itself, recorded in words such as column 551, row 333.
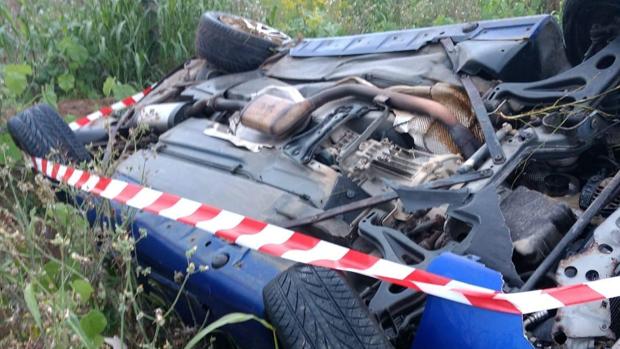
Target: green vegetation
column 64, row 283
column 51, row 49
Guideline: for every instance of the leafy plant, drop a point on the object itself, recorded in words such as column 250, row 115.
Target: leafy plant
column 16, row 78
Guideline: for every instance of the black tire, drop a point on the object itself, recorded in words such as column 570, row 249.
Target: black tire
column 578, row 16
column 230, row 48
column 314, row 307
column 40, row 131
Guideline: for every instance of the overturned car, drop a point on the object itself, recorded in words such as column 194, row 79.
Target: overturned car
column 486, row 152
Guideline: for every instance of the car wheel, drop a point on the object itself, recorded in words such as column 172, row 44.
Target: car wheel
column 40, row 131
column 584, row 20
column 314, row 307
column 234, row 43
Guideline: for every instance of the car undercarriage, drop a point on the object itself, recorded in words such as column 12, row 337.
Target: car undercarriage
column 480, row 140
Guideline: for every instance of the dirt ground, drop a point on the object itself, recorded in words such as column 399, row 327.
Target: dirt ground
column 75, row 107
column 81, row 107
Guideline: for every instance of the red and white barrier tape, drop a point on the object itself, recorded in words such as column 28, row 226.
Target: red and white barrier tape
column 108, row 110
column 295, row 246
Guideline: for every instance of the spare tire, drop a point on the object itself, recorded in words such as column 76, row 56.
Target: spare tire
column 578, row 18
column 40, row 131
column 313, row 307
column 236, row 44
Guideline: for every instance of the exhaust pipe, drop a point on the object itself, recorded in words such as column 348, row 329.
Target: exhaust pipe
column 278, row 116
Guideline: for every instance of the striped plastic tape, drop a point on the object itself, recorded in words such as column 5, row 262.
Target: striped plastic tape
column 280, row 242
column 108, row 110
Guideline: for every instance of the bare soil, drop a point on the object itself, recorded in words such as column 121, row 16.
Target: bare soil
column 81, row 107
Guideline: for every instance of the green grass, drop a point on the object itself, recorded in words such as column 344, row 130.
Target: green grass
column 66, row 284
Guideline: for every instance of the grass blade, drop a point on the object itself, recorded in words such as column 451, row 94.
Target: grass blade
column 228, row 319
column 31, row 303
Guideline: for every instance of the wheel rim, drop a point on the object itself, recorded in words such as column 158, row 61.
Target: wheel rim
column 256, row 29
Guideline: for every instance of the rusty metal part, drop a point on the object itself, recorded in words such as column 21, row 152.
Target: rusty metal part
column 598, row 260
column 274, row 115
column 425, row 131
column 284, row 116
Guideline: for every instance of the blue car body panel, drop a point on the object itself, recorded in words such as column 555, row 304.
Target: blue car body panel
column 513, row 29
column 446, row 324
column 233, row 286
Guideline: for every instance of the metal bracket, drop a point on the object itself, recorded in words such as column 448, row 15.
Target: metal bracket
column 586, row 82
column 389, row 196
column 495, row 149
column 353, row 146
column 302, row 147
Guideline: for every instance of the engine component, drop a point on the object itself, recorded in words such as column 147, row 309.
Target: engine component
column 376, row 161
column 536, row 223
column 370, row 129
column 428, row 134
column 477, row 104
column 592, row 189
column 598, row 260
column 302, row 146
column 492, row 142
column 483, row 152
column 279, row 117
column 161, row 117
